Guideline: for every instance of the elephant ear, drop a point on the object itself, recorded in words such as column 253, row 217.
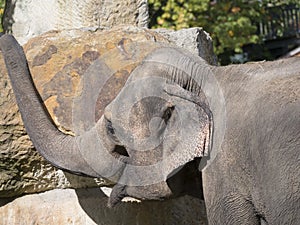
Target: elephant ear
column 189, row 129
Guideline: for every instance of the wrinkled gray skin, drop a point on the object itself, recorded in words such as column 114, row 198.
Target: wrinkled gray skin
column 255, row 176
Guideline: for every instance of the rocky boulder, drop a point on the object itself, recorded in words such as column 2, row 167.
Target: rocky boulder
column 88, row 207
column 58, row 61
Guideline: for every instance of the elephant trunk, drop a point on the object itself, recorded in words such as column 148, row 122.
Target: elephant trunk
column 59, row 149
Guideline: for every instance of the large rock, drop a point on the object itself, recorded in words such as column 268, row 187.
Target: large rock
column 88, row 207
column 58, row 61
column 29, row 18
column 195, row 40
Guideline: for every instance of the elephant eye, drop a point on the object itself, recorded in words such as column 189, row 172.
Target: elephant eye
column 110, row 127
column 168, row 113
column 111, row 131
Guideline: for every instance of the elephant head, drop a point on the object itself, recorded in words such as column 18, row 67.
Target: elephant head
column 164, row 119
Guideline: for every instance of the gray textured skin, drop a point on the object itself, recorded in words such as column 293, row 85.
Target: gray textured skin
column 255, row 177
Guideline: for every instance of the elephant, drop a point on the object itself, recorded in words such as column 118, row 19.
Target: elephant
column 241, row 120
column 239, row 124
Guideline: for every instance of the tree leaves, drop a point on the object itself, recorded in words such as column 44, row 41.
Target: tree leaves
column 232, row 24
column 2, row 4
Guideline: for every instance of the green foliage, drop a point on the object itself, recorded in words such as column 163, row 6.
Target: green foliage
column 231, row 24
column 175, row 14
column 2, row 4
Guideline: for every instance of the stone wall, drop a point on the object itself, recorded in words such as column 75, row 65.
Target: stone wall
column 196, row 40
column 29, row 18
column 88, row 207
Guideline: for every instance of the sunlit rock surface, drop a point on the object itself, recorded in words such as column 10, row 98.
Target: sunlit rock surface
column 29, row 18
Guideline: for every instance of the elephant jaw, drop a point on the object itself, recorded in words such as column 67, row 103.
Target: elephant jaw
column 176, row 175
column 158, row 191
column 186, row 180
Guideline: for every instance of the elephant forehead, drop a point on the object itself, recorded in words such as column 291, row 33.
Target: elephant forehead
column 59, row 61
column 139, row 101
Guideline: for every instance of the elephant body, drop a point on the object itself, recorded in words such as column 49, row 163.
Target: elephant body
column 255, row 176
column 238, row 124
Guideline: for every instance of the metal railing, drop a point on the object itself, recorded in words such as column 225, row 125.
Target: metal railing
column 280, row 22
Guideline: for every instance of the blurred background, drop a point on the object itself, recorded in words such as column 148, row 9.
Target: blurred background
column 2, row 3
column 242, row 30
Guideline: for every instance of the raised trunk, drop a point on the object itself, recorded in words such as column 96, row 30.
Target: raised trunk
column 59, row 149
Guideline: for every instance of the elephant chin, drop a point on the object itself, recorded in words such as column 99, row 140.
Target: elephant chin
column 159, row 191
column 187, row 181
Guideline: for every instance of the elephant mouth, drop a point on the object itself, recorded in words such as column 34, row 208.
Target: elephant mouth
column 121, row 151
column 187, row 181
